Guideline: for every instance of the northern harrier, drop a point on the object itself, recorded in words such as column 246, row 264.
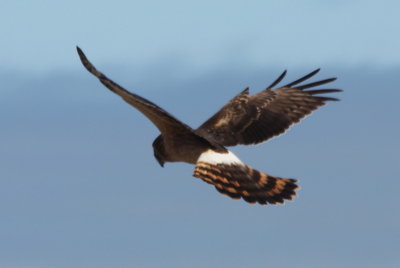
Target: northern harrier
column 246, row 119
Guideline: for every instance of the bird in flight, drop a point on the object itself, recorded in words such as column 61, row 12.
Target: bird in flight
column 246, row 119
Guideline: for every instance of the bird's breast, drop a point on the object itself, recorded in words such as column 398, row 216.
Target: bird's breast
column 181, row 149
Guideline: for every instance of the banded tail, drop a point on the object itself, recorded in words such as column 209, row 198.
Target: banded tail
column 233, row 178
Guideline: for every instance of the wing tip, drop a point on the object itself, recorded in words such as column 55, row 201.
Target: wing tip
column 315, row 93
column 87, row 64
column 80, row 53
column 302, row 79
column 279, row 79
column 245, row 91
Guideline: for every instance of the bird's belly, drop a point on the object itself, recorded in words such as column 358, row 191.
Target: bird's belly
column 187, row 156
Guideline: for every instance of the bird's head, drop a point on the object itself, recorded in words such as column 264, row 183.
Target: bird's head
column 159, row 150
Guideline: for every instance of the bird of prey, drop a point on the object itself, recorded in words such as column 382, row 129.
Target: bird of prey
column 246, row 119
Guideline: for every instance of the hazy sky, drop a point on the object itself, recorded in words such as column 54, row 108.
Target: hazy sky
column 79, row 186
column 39, row 35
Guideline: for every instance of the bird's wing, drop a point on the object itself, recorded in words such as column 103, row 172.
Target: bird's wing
column 251, row 119
column 162, row 119
column 233, row 178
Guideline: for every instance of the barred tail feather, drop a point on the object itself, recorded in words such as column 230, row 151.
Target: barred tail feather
column 237, row 180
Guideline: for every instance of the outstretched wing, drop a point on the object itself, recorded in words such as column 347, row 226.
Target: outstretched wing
column 233, row 178
column 256, row 118
column 162, row 119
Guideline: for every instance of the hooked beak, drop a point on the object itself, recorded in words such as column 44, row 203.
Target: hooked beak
column 160, row 161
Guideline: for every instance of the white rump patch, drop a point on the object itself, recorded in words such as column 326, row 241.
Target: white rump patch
column 214, row 157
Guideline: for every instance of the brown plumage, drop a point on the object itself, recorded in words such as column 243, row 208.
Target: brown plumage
column 246, row 119
column 256, row 118
column 241, row 181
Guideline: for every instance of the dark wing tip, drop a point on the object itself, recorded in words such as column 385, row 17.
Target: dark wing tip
column 298, row 81
column 317, row 83
column 277, row 80
column 89, row 66
column 328, row 99
column 81, row 54
column 315, row 93
column 314, row 72
column 322, row 91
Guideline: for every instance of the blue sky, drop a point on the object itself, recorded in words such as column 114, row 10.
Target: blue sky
column 79, row 186
column 39, row 34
